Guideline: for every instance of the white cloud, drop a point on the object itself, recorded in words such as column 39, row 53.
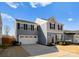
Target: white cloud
column 70, row 19
column 43, row 4
column 13, row 4
column 7, row 17
column 33, row 5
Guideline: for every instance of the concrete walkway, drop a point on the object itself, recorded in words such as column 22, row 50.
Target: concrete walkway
column 15, row 51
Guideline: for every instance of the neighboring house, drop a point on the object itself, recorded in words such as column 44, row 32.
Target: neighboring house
column 72, row 36
column 26, row 32
column 49, row 31
column 0, row 30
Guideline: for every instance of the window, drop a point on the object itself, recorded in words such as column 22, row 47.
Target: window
column 18, row 25
column 52, row 26
column 59, row 27
column 32, row 27
column 25, row 26
column 29, row 27
column 22, row 26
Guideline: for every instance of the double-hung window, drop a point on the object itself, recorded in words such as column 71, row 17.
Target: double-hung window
column 52, row 26
column 32, row 27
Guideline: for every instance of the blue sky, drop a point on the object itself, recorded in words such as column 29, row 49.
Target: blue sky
column 64, row 12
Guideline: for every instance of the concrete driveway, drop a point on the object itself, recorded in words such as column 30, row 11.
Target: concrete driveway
column 36, row 49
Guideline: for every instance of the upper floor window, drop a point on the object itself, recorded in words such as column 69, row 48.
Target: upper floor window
column 59, row 27
column 32, row 27
column 18, row 25
column 25, row 26
column 52, row 26
column 21, row 26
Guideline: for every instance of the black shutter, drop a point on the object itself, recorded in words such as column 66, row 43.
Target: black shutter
column 50, row 25
column 33, row 27
column 54, row 26
column 58, row 27
column 18, row 25
column 26, row 26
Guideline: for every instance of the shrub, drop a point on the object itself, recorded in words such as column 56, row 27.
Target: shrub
column 4, row 46
column 15, row 43
column 64, row 43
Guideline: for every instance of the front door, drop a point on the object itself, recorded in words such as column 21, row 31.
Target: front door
column 53, row 39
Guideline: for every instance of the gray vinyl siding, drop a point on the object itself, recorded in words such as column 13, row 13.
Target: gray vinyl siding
column 42, row 31
column 68, row 37
column 25, row 32
column 41, row 36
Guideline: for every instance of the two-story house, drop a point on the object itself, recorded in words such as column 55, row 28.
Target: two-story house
column 26, row 32
column 49, row 31
column 0, row 29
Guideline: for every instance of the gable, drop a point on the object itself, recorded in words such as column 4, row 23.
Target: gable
column 52, row 20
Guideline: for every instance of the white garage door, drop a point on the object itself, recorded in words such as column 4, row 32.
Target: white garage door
column 28, row 39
